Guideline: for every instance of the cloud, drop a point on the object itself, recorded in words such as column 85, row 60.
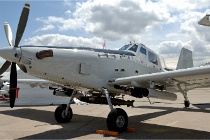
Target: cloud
column 46, row 28
column 185, row 5
column 110, row 20
column 60, row 23
column 63, row 40
column 121, row 20
column 68, row 12
column 173, row 47
column 67, row 2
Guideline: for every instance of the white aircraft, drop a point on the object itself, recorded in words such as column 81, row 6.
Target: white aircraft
column 4, row 90
column 205, row 20
column 134, row 70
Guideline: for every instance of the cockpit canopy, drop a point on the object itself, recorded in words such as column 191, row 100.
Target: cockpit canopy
column 142, row 51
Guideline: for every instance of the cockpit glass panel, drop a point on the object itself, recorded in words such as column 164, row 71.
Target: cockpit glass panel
column 143, row 51
column 124, row 48
column 152, row 58
column 134, row 48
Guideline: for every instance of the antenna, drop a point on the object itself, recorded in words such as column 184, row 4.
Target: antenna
column 104, row 44
column 133, row 42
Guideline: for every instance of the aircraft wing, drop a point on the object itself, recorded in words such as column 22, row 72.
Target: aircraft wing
column 190, row 78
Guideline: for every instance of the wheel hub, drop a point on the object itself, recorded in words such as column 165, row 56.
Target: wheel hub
column 120, row 122
column 64, row 114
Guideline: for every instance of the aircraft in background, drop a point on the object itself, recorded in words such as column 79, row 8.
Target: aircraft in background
column 40, row 88
column 4, row 90
column 205, row 20
column 102, row 74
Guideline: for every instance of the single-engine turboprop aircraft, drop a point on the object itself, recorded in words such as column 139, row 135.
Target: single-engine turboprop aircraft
column 134, row 70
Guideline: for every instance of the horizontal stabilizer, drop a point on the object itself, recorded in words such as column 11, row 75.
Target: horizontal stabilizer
column 205, row 21
column 185, row 59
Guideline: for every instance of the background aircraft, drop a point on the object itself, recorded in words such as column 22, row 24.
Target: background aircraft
column 103, row 74
column 4, row 91
column 31, row 93
column 205, row 20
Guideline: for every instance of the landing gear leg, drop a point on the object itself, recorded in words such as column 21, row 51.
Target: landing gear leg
column 63, row 112
column 184, row 93
column 117, row 119
column 105, row 91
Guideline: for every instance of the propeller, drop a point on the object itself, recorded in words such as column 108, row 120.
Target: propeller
column 19, row 33
column 4, row 67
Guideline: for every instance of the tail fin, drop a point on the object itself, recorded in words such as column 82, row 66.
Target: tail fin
column 205, row 21
column 185, row 59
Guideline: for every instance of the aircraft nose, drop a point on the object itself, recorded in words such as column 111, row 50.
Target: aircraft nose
column 10, row 54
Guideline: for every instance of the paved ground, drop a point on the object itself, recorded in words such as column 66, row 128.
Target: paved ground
column 163, row 119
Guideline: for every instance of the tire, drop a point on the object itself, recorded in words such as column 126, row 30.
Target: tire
column 186, row 103
column 60, row 116
column 117, row 120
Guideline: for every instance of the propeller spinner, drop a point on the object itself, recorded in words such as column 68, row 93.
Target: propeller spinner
column 13, row 72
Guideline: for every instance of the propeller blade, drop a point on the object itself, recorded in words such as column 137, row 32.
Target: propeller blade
column 4, row 67
column 13, row 84
column 8, row 33
column 22, row 23
column 22, row 67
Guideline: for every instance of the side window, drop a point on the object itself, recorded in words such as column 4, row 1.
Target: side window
column 143, row 51
column 134, row 48
column 152, row 58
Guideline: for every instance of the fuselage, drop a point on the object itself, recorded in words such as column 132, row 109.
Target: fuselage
column 86, row 67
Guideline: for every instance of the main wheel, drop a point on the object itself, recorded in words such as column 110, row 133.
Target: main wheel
column 186, row 103
column 60, row 115
column 117, row 120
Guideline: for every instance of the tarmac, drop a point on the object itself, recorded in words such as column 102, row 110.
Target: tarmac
column 160, row 120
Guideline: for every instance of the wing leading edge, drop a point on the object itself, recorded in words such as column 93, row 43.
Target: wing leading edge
column 191, row 78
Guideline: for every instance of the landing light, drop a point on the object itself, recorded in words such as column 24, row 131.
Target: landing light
column 44, row 53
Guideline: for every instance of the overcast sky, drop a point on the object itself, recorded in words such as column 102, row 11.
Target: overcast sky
column 163, row 25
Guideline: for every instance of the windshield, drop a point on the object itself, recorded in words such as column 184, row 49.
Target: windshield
column 124, row 48
column 134, row 48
